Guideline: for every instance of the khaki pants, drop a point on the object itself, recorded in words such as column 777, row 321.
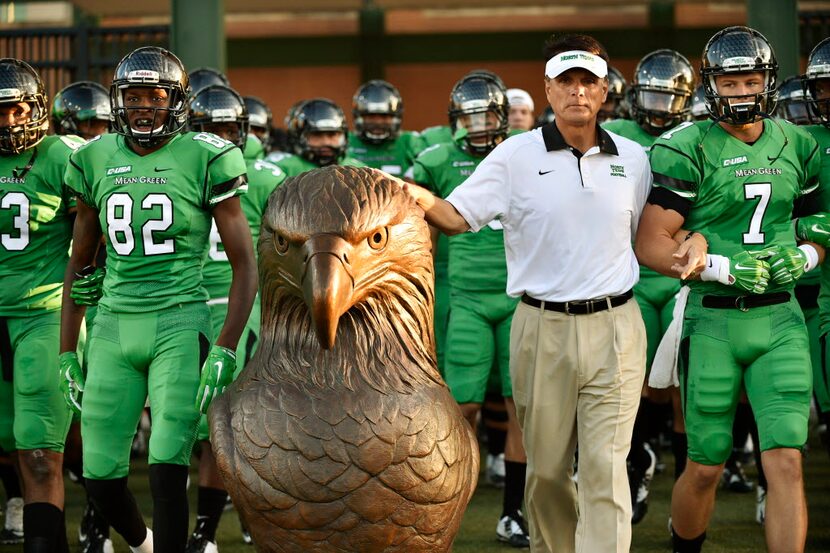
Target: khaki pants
column 577, row 381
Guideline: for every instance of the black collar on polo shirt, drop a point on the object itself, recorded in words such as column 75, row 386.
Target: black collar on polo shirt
column 554, row 140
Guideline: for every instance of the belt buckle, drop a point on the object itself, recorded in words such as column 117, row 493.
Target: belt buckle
column 740, row 303
column 567, row 308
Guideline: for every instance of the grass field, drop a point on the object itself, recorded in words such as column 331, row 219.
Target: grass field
column 733, row 528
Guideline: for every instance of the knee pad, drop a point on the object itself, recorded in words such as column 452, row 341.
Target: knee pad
column 788, row 430
column 710, row 446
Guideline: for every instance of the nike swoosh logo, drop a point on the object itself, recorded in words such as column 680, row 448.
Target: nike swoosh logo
column 546, row 172
column 818, row 229
column 743, row 267
column 160, row 169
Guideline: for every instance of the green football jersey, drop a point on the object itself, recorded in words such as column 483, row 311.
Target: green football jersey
column 394, row 156
column 438, row 134
column 295, row 165
column 155, row 212
column 630, row 130
column 35, row 227
column 476, row 260
column 263, row 178
column 253, row 148
column 741, row 195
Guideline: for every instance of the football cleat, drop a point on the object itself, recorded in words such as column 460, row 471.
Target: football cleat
column 12, row 532
column 512, row 530
column 640, row 483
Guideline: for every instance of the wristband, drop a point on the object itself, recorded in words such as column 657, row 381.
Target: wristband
column 812, row 257
column 717, row 270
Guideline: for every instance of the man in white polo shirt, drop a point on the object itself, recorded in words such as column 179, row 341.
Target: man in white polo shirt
column 569, row 196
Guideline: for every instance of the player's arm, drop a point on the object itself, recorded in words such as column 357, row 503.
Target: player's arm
column 236, row 238
column 656, row 245
column 86, row 236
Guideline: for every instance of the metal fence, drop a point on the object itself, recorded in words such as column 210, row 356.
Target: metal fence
column 65, row 55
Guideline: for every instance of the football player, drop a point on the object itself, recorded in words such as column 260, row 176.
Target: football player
column 816, row 82
column 259, row 125
column 152, row 189
column 377, row 140
column 35, row 233
column 659, row 100
column 220, row 110
column 319, row 133
column 792, row 101
column 82, row 109
column 733, row 181
column 480, row 312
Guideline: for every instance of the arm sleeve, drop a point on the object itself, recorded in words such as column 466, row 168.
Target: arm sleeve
column 812, row 170
column 674, row 170
column 485, row 195
column 223, row 172
column 75, row 181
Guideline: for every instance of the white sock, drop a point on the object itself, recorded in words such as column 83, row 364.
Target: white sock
column 147, row 546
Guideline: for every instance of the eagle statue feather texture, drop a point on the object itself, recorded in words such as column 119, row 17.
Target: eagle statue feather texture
column 340, row 435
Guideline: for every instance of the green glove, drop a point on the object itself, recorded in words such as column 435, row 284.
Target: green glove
column 88, row 286
column 72, row 380
column 787, row 264
column 814, row 228
column 749, row 271
column 217, row 373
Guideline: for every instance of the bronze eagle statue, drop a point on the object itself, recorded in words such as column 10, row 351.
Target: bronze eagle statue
column 340, row 435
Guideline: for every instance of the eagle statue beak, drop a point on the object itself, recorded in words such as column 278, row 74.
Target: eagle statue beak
column 327, row 284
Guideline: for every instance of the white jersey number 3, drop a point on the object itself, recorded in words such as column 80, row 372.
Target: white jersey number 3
column 20, row 238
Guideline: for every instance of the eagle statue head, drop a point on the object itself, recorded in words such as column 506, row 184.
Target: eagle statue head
column 346, row 280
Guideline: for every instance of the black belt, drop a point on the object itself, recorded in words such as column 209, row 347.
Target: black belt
column 745, row 303
column 580, row 307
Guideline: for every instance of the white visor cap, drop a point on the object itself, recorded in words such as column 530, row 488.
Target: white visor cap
column 563, row 61
column 519, row 97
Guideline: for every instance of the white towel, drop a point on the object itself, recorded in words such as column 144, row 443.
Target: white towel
column 664, row 366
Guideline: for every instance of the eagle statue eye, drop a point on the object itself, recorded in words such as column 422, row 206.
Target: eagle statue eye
column 378, row 239
column 281, row 244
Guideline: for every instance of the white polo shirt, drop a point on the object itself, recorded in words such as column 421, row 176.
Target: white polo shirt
column 569, row 221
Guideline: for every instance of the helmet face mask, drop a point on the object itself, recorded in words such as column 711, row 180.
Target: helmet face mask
column 662, row 91
column 479, row 113
column 219, row 109
column 816, row 83
column 739, row 52
column 792, row 102
column 144, row 73
column 82, row 108
column 321, row 132
column 20, row 84
column 377, row 108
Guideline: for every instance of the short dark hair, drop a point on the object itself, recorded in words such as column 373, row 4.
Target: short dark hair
column 557, row 44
